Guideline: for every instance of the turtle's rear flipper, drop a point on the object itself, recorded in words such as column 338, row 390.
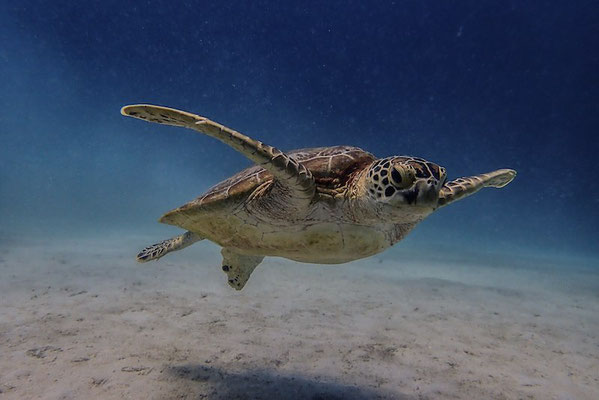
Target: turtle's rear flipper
column 238, row 267
column 155, row 251
column 462, row 187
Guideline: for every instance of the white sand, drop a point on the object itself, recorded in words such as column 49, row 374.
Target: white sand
column 83, row 322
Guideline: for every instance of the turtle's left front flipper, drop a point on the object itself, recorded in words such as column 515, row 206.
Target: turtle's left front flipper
column 293, row 176
column 463, row 187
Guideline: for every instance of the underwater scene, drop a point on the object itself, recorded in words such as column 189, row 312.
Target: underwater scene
column 321, row 200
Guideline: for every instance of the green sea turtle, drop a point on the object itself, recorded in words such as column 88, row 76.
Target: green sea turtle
column 324, row 205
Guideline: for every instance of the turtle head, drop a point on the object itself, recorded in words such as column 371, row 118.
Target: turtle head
column 409, row 186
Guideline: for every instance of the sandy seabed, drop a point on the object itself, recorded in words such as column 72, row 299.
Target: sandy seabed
column 82, row 320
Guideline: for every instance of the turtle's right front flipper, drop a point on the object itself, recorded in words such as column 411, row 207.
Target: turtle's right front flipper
column 296, row 178
column 463, row 187
column 158, row 250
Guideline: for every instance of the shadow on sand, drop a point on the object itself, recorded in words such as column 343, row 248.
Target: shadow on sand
column 205, row 382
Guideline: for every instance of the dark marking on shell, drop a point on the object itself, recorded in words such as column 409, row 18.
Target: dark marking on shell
column 344, row 162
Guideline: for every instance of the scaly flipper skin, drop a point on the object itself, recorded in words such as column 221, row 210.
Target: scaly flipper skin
column 158, row 250
column 297, row 180
column 463, row 187
column 238, row 267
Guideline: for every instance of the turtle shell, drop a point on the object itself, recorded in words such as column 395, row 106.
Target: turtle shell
column 332, row 168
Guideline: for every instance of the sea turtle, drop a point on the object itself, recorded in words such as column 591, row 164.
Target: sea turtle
column 324, row 205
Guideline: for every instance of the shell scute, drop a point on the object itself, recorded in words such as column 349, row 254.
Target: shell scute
column 331, row 167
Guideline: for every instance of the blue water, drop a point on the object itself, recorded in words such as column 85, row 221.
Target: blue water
column 471, row 85
column 495, row 296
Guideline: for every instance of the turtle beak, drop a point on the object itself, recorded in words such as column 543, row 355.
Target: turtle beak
column 420, row 194
column 429, row 194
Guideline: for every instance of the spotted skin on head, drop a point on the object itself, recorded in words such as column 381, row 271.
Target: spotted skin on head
column 403, row 176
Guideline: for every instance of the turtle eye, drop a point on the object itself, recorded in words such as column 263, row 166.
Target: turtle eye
column 402, row 177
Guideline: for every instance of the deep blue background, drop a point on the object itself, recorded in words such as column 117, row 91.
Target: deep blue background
column 471, row 85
